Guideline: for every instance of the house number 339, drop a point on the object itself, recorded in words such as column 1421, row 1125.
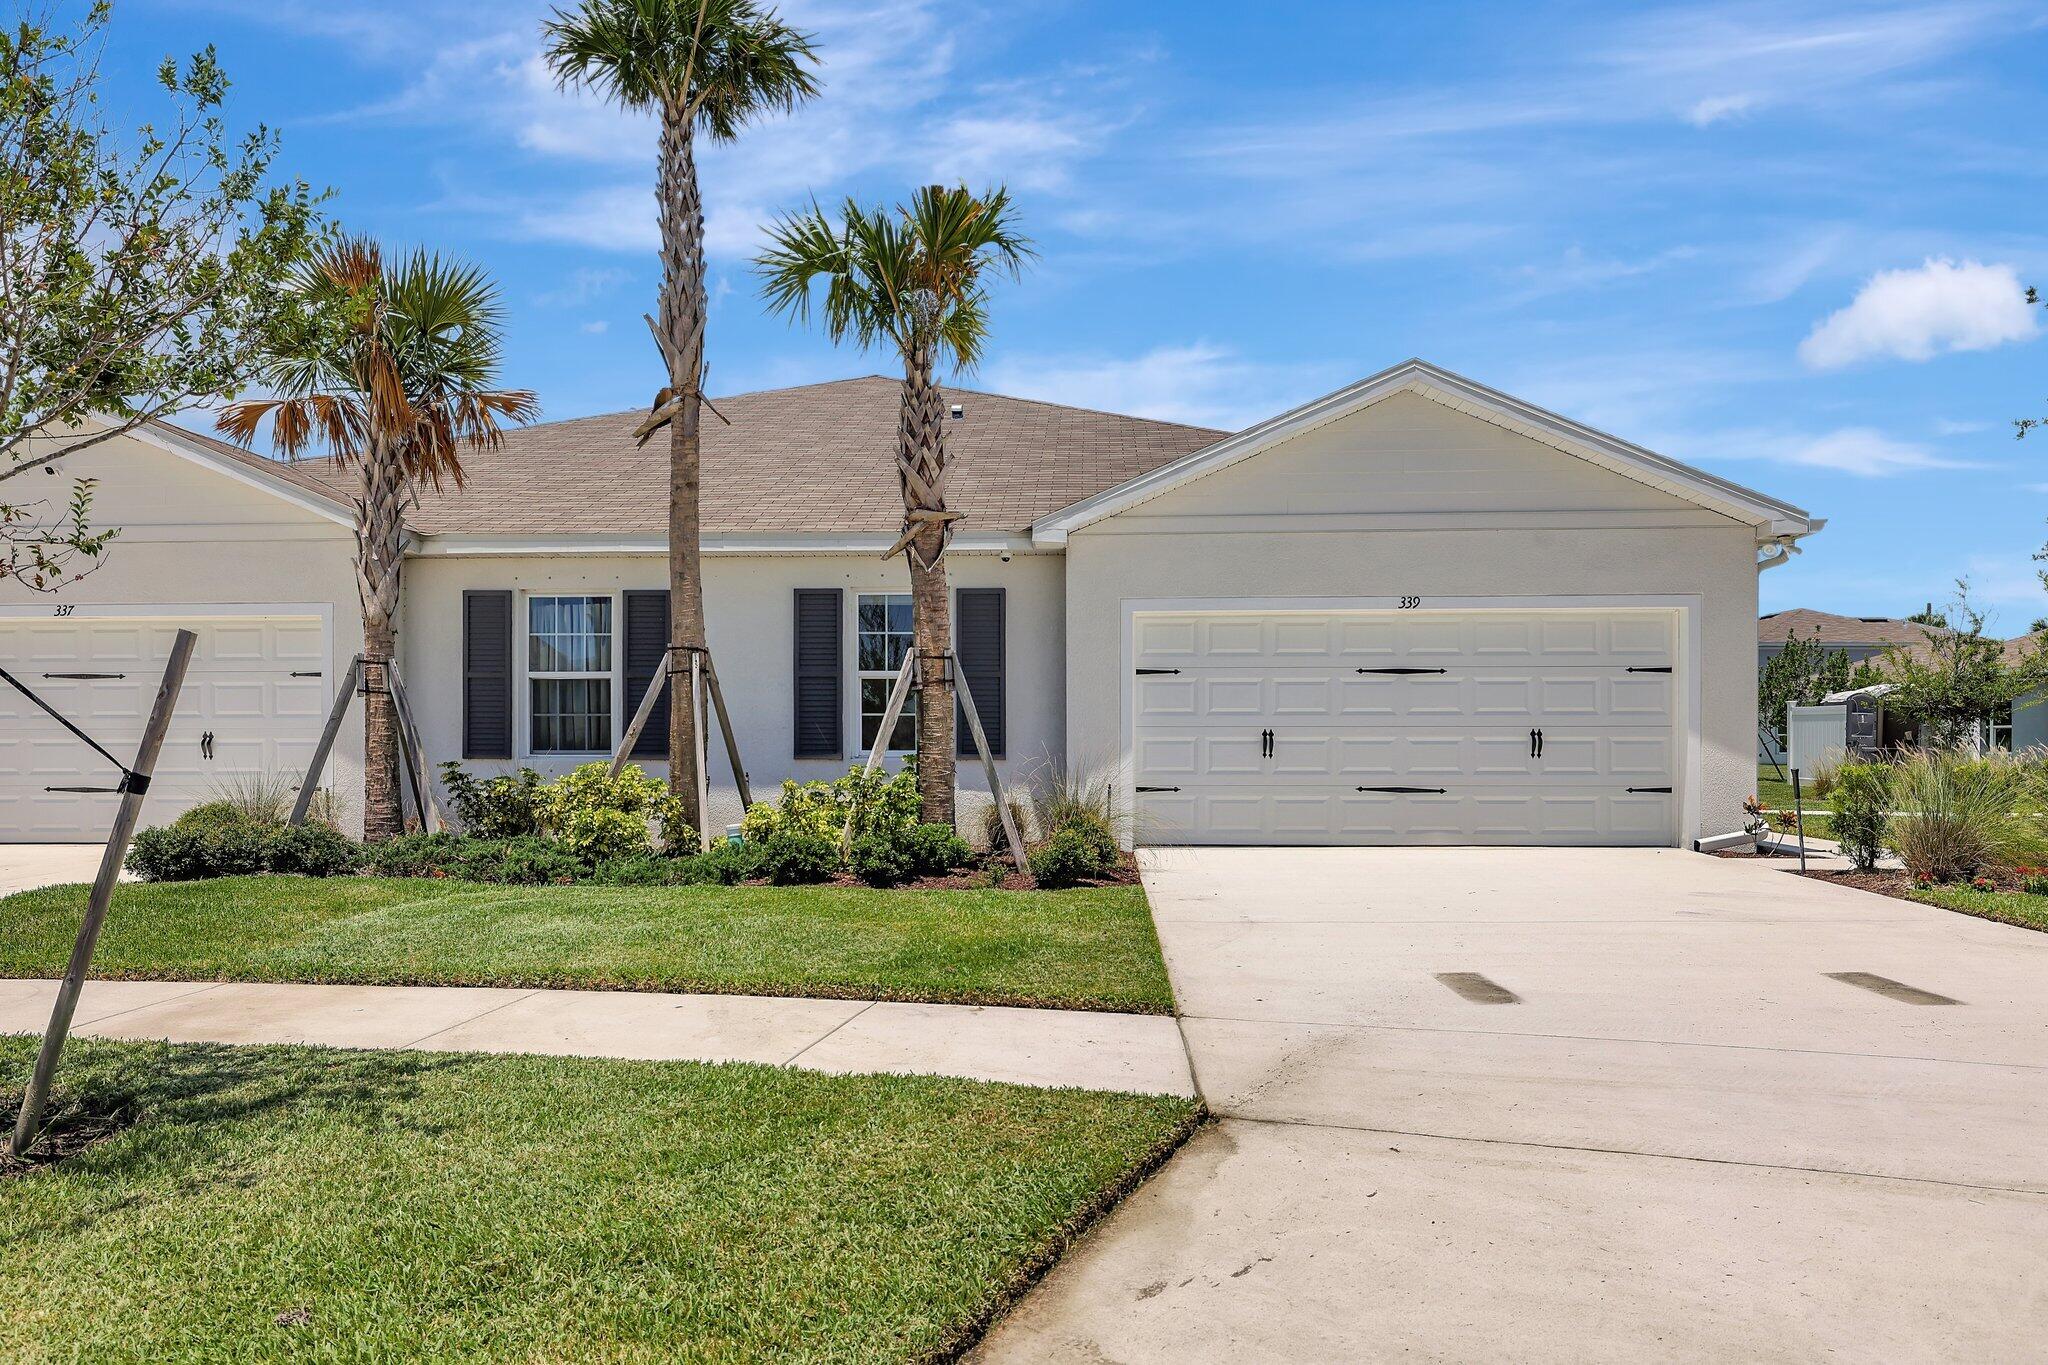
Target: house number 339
column 1410, row 603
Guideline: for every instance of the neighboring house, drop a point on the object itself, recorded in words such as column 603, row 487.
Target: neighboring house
column 2024, row 725
column 1414, row 611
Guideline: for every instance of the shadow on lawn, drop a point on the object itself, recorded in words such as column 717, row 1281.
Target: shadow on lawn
column 172, row 1094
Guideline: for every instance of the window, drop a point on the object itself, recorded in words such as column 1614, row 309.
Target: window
column 1996, row 731
column 881, row 640
column 569, row 674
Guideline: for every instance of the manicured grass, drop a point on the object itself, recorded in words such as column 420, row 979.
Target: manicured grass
column 1092, row 948
column 301, row 1204
column 2013, row 907
column 1776, row 793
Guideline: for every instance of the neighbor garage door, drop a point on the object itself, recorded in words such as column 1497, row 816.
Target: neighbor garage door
column 252, row 707
column 1405, row 727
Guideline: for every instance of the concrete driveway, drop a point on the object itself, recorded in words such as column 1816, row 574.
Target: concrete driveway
column 1576, row 1105
column 23, row 867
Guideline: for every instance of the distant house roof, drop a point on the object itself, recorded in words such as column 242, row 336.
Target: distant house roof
column 815, row 458
column 1830, row 629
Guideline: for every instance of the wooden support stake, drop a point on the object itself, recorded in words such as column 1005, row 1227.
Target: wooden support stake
column 342, row 696
column 646, row 709
column 988, row 764
column 898, row 691
column 697, row 702
column 133, row 788
column 405, row 756
column 732, row 741
column 432, row 817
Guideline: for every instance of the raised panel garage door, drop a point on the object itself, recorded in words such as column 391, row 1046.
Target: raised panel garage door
column 1406, row 727
column 254, row 700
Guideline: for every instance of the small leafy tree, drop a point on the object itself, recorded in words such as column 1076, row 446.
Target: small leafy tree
column 1961, row 677
column 1800, row 674
column 138, row 274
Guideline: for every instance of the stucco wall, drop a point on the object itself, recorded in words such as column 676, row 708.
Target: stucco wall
column 1182, row 545
column 193, row 537
column 750, row 616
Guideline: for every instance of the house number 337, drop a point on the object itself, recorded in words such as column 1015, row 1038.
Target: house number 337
column 1410, row 603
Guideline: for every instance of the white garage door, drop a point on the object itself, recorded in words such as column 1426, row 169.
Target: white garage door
column 253, row 704
column 1405, row 727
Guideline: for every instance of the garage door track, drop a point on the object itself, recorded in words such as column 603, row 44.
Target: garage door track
column 1550, row 1104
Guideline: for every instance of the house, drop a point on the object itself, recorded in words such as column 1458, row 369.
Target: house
column 2024, row 725
column 1416, row 610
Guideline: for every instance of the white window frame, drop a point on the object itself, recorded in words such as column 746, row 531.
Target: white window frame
column 524, row 648
column 859, row 675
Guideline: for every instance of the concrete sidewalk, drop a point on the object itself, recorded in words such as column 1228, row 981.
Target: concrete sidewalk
column 1131, row 1052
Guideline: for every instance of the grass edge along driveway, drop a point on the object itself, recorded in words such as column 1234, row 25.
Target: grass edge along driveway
column 1093, row 948
column 300, row 1203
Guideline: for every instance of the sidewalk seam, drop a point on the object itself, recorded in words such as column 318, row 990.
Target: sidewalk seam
column 481, row 1014
column 830, row 1031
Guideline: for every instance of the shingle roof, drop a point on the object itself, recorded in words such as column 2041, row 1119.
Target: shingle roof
column 1831, row 629
column 812, row 458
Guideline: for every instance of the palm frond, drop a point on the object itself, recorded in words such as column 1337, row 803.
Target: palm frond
column 724, row 62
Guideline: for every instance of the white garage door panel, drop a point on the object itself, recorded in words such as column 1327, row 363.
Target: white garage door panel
column 1238, row 696
column 1263, row 727
column 1406, row 756
column 256, row 684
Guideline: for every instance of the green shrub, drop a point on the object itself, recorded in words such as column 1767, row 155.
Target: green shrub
column 217, row 840
column 993, row 837
column 506, row 807
column 791, row 858
column 260, row 798
column 1068, row 858
column 169, row 855
column 1088, row 798
column 859, row 803
column 591, row 788
column 2035, row 883
column 934, row 849
column 522, row 862
column 879, row 860
column 212, row 817
column 594, row 835
column 641, row 869
column 417, row 855
column 312, row 851
column 1862, row 806
column 728, row 864
column 1096, row 835
column 1959, row 816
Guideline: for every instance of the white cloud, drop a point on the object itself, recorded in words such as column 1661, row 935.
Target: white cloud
column 1864, row 452
column 596, row 328
column 581, row 285
column 1199, row 383
column 1714, row 108
column 1918, row 314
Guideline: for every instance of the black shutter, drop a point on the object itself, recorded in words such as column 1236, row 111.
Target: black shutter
column 487, row 674
column 646, row 645
column 978, row 640
column 820, row 662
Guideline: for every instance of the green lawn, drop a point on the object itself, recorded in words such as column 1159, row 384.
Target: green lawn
column 1092, row 948
column 1776, row 792
column 301, row 1204
column 2013, row 907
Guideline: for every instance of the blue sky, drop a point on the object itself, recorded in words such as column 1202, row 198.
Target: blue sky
column 1783, row 241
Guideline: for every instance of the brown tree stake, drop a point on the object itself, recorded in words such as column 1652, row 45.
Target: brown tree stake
column 133, row 787
column 349, row 679
column 725, row 730
column 700, row 702
column 988, row 766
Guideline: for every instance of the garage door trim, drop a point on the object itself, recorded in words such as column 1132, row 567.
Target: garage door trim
column 1685, row 606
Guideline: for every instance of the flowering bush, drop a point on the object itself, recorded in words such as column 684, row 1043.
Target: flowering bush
column 597, row 815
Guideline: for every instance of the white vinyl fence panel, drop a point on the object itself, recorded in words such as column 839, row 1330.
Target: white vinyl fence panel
column 1819, row 735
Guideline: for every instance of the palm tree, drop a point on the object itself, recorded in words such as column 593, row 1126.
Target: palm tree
column 391, row 370
column 910, row 278
column 713, row 64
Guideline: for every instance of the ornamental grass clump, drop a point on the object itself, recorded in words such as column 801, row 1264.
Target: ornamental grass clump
column 1960, row 816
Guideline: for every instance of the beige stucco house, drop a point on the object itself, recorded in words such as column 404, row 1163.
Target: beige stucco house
column 1414, row 611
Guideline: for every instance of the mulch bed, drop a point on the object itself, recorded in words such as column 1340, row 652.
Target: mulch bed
column 72, row 1124
column 1125, row 874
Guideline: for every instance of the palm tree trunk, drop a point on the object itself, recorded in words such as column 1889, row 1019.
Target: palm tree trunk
column 682, row 323
column 380, row 537
column 921, row 445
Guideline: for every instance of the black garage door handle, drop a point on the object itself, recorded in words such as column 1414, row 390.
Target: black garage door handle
column 1434, row 791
